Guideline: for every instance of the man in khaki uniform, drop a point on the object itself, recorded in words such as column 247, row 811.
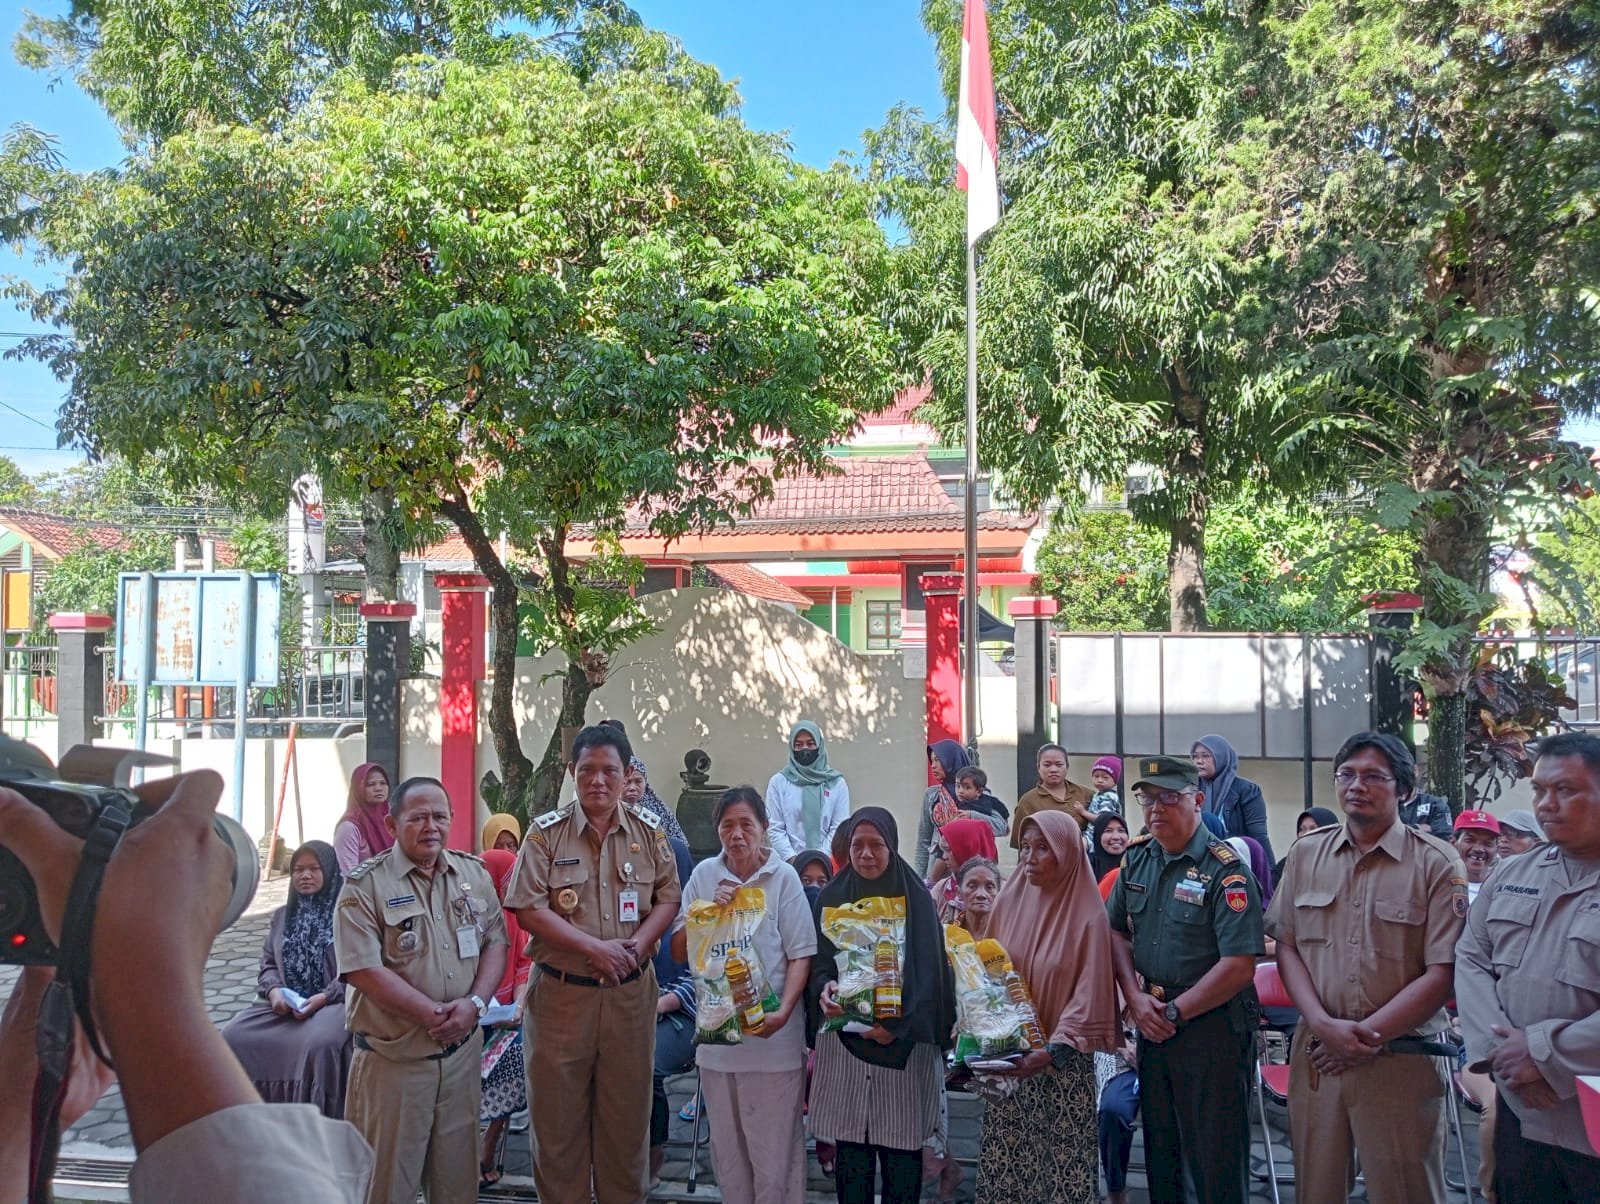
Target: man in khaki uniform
column 421, row 942
column 1528, row 985
column 596, row 888
column 1366, row 919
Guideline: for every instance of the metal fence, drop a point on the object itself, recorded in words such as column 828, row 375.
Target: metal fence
column 320, row 686
column 28, row 689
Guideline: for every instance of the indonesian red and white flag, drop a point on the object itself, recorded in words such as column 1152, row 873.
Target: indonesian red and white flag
column 976, row 172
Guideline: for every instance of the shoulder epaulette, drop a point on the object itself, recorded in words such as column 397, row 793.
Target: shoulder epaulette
column 469, row 856
column 1142, row 838
column 1223, row 852
column 360, row 871
column 550, row 818
column 647, row 816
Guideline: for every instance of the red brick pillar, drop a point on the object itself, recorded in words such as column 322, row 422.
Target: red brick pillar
column 464, row 618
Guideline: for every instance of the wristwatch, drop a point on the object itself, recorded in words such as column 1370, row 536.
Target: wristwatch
column 478, row 1003
column 1171, row 1012
column 1060, row 1055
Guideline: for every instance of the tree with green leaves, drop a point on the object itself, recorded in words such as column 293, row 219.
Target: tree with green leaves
column 1124, row 300
column 1439, row 163
column 531, row 301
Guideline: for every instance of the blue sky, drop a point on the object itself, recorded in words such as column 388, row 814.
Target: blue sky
column 822, row 70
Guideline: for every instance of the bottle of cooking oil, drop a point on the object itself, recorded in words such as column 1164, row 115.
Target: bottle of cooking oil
column 1017, row 992
column 743, row 987
column 886, row 997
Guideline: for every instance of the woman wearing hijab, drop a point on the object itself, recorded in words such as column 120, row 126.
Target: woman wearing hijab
column 807, row 800
column 636, row 790
column 1108, row 841
column 1040, row 1143
column 876, row 1094
column 361, row 832
column 504, row 1088
column 961, row 840
column 1236, row 801
column 1307, row 822
column 293, row 1045
column 940, row 804
column 501, row 832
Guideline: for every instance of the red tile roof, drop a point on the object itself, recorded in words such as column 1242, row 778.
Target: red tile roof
column 902, row 409
column 869, row 494
column 747, row 579
column 55, row 535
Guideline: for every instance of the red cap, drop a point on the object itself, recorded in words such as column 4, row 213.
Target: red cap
column 1481, row 820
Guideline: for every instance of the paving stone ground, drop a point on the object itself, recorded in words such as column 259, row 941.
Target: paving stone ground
column 231, row 987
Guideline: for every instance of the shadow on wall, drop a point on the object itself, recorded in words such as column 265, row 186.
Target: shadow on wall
column 731, row 674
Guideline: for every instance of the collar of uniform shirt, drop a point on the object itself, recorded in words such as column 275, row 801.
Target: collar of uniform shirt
column 408, row 866
column 1194, row 850
column 1392, row 842
column 582, row 817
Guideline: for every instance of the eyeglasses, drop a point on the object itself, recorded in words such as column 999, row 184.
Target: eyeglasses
column 1163, row 798
column 1348, row 777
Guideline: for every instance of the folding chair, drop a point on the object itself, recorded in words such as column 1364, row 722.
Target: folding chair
column 1271, row 1077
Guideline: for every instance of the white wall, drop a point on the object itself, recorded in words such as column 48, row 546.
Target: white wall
column 730, row 674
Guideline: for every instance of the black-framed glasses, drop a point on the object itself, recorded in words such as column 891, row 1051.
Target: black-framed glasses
column 1163, row 798
column 1367, row 777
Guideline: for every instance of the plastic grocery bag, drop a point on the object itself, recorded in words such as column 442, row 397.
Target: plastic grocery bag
column 732, row 992
column 997, row 962
column 989, row 1023
column 869, row 938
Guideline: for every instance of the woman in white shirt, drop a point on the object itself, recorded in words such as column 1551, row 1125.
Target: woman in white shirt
column 754, row 1091
column 807, row 799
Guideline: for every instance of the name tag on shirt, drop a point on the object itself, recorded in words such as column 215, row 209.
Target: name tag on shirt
column 628, row 906
column 1189, row 891
column 467, row 941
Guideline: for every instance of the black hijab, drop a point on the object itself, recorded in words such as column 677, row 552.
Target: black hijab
column 1101, row 861
column 927, row 989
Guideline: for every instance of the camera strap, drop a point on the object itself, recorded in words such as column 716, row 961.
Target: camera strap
column 66, row 1002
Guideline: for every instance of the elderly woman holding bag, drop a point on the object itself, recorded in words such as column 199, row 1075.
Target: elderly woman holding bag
column 1039, row 1144
column 876, row 1094
column 754, row 1091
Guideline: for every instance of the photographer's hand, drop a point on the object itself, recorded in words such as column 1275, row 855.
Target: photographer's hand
column 161, row 901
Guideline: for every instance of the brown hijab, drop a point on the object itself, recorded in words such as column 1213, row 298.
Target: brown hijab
column 1060, row 941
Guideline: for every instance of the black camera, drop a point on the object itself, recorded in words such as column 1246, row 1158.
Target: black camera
column 88, row 781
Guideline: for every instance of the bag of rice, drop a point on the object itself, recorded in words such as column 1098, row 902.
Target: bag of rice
column 733, row 995
column 989, row 1023
column 869, row 938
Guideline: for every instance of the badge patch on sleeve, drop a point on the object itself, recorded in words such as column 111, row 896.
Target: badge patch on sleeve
column 1458, row 901
column 1235, row 893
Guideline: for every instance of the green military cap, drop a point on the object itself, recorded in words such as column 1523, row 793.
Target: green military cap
column 1167, row 773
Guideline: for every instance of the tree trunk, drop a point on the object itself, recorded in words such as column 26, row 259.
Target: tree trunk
column 1447, row 748
column 1191, row 502
column 516, row 770
column 575, row 690
column 379, row 553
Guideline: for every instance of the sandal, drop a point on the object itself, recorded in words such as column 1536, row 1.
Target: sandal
column 489, row 1175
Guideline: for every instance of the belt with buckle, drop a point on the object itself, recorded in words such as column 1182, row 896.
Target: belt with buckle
column 581, row 980
column 362, row 1043
column 1165, row 994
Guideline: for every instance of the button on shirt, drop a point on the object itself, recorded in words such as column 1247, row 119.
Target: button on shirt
column 1368, row 925
column 565, row 866
column 1529, row 958
column 1186, row 913
column 391, row 914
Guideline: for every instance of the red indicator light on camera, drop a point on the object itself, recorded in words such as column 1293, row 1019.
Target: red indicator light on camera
column 19, row 939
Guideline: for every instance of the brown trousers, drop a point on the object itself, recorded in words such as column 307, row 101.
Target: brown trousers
column 589, row 1053
column 1390, row 1112
column 421, row 1120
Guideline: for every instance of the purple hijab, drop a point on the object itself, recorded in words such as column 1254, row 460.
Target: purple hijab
column 1261, row 868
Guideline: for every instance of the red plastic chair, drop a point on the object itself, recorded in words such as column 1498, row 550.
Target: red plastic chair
column 1271, row 1077
column 1589, row 1103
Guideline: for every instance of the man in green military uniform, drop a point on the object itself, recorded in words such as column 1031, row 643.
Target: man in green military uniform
column 1187, row 925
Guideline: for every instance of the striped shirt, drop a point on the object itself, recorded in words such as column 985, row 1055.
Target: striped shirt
column 852, row 1100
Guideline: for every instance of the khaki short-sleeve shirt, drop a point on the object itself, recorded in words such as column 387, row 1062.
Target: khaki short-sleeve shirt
column 605, row 887
column 1368, row 925
column 393, row 915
